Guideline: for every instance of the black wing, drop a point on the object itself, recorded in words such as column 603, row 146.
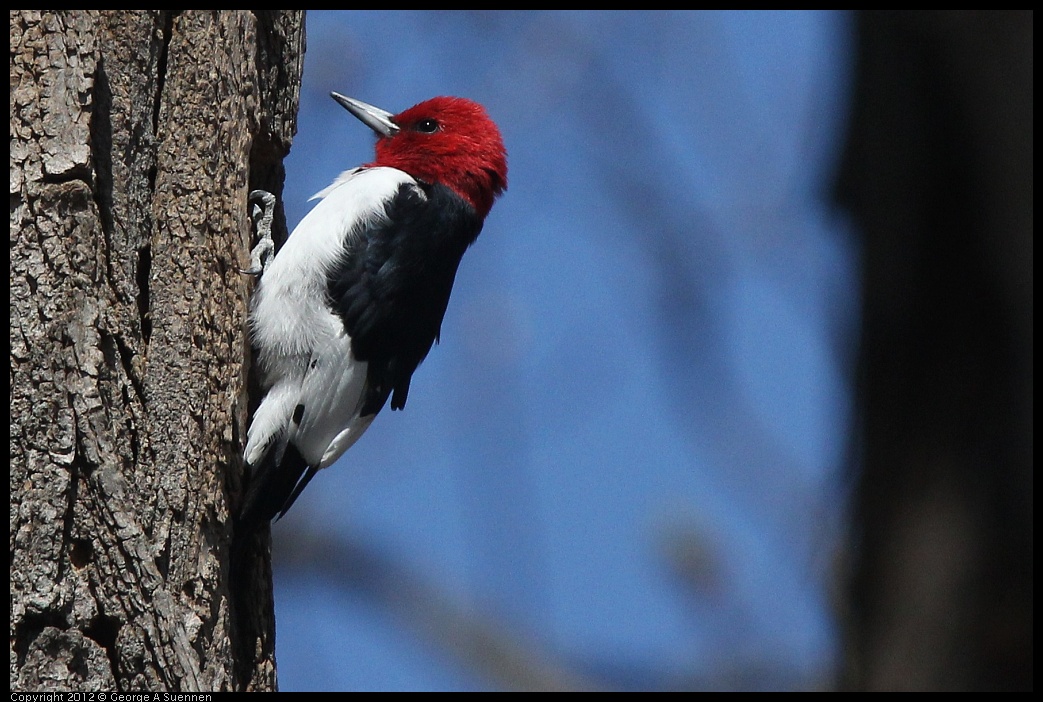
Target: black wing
column 393, row 285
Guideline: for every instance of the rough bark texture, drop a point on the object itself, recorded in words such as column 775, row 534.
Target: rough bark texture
column 135, row 138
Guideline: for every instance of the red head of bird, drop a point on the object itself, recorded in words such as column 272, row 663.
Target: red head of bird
column 448, row 140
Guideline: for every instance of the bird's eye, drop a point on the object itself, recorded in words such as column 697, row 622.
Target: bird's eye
column 427, row 126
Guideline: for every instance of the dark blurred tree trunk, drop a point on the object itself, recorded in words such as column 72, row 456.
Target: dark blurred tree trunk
column 135, row 138
column 939, row 174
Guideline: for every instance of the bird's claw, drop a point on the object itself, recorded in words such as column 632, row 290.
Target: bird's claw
column 262, row 211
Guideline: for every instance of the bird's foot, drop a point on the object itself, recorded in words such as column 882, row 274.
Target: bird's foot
column 262, row 211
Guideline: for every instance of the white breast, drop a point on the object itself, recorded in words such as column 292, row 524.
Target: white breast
column 304, row 351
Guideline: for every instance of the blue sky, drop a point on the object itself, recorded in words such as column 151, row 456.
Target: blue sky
column 629, row 453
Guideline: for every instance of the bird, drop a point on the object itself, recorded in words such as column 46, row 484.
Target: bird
column 353, row 302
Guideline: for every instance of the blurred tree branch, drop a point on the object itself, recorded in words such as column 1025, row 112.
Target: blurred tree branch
column 475, row 639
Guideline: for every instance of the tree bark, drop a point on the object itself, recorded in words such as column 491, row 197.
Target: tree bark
column 135, row 138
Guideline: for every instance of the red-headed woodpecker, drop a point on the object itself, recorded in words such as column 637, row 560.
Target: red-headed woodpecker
column 354, row 300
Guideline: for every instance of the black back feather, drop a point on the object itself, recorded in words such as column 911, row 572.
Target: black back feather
column 393, row 287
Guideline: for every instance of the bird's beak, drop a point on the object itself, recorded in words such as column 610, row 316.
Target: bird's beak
column 373, row 117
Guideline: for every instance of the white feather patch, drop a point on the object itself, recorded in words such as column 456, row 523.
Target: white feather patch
column 303, row 350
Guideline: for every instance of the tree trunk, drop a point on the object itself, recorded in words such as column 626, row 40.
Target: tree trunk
column 939, row 175
column 135, row 138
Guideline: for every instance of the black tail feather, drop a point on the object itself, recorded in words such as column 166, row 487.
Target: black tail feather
column 274, row 487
